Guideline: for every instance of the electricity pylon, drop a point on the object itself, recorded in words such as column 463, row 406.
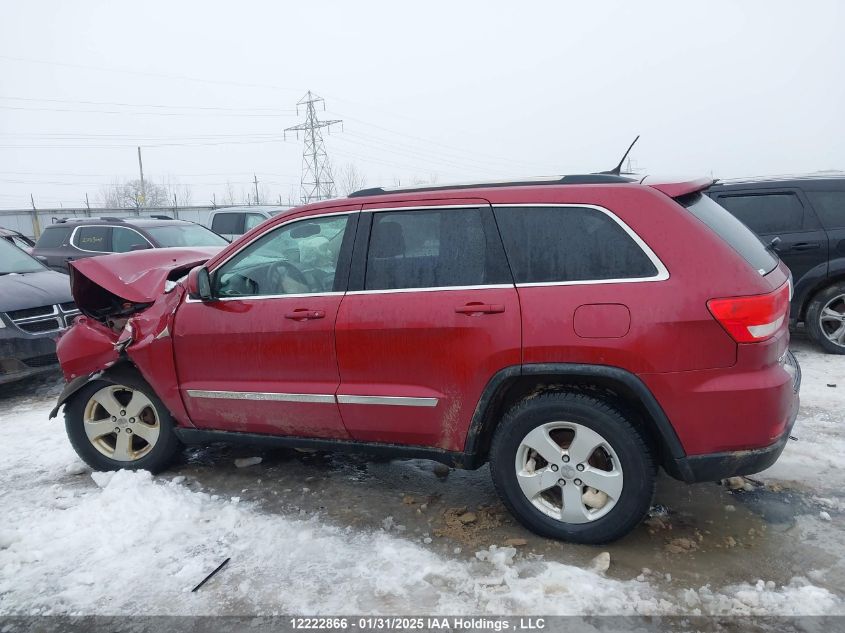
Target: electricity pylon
column 317, row 182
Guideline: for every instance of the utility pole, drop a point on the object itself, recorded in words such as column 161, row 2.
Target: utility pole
column 255, row 180
column 316, row 182
column 36, row 225
column 87, row 205
column 143, row 186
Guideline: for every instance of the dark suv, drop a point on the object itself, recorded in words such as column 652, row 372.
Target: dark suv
column 807, row 215
column 71, row 239
column 562, row 331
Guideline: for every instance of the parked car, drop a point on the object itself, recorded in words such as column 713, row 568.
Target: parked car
column 232, row 222
column 562, row 332
column 72, row 239
column 18, row 239
column 804, row 220
column 35, row 305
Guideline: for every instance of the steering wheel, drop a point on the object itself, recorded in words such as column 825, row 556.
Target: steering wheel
column 281, row 269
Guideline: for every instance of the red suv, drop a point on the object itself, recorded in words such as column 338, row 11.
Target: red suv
column 576, row 334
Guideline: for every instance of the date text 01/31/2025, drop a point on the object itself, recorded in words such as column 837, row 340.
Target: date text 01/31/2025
column 418, row 623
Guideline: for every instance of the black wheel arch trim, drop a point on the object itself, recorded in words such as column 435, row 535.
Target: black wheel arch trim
column 113, row 373
column 496, row 388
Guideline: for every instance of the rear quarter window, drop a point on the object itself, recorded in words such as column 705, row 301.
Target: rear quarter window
column 54, row 237
column 569, row 244
column 93, row 238
column 731, row 230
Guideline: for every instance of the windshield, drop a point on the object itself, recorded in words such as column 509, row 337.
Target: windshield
column 14, row 260
column 185, row 235
column 735, row 233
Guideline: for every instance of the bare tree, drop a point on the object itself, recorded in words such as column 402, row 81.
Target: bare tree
column 229, row 195
column 183, row 193
column 349, row 179
column 131, row 195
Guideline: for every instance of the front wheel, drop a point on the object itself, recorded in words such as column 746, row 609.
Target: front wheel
column 124, row 425
column 825, row 318
column 571, row 467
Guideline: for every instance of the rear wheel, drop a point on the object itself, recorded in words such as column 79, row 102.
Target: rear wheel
column 825, row 318
column 571, row 467
column 121, row 425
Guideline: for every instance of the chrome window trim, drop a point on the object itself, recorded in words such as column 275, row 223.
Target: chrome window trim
column 481, row 203
column 395, row 401
column 318, row 398
column 662, row 271
column 428, row 289
column 105, row 226
column 263, row 297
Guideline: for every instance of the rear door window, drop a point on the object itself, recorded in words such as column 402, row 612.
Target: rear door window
column 830, row 207
column 734, row 232
column 93, row 238
column 768, row 214
column 228, row 224
column 433, row 248
column 569, row 244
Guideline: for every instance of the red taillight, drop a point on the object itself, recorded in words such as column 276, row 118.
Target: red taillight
column 752, row 319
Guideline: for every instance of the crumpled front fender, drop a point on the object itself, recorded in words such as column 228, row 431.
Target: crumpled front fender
column 87, row 347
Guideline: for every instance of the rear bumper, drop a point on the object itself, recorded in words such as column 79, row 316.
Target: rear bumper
column 24, row 356
column 716, row 466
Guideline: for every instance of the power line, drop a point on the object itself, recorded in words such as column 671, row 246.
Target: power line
column 137, row 113
column 129, row 71
column 317, row 182
column 149, row 105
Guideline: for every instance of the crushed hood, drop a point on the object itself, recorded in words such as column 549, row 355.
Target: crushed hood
column 101, row 285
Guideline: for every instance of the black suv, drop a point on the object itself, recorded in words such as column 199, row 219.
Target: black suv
column 807, row 214
column 70, row 239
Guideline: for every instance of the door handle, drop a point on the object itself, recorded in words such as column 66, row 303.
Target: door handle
column 804, row 246
column 471, row 309
column 304, row 314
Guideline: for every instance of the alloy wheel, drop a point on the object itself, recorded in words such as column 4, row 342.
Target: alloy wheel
column 569, row 472
column 832, row 320
column 121, row 423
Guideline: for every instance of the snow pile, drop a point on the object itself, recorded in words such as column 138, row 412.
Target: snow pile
column 138, row 545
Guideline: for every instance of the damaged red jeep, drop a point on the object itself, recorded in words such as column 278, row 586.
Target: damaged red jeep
column 576, row 334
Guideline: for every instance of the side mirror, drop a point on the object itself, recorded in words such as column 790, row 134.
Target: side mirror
column 199, row 284
column 41, row 259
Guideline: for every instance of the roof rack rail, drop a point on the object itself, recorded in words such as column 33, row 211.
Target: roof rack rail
column 579, row 179
column 160, row 217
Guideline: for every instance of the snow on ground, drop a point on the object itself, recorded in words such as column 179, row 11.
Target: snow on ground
column 815, row 461
column 74, row 542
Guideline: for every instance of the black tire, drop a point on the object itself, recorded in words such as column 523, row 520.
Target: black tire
column 635, row 457
column 158, row 458
column 813, row 317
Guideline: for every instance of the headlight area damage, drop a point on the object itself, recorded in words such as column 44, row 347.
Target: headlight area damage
column 129, row 301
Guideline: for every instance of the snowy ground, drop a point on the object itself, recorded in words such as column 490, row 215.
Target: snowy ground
column 334, row 534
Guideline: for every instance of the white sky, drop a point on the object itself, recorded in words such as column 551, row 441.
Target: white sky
column 452, row 90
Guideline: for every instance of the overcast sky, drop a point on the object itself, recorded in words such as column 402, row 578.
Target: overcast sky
column 448, row 90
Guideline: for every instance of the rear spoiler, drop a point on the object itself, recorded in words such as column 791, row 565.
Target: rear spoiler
column 676, row 189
